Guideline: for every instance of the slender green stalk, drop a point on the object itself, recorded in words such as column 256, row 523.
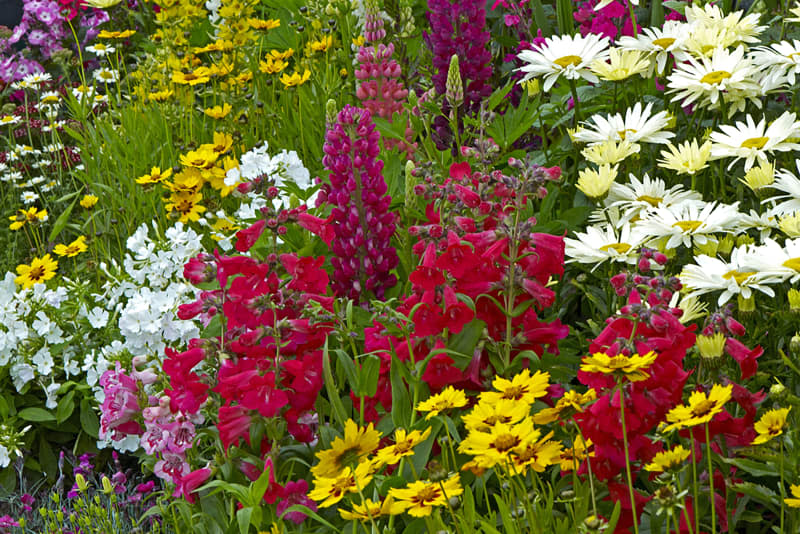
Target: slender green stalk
column 694, row 489
column 711, row 482
column 627, row 458
column 783, row 488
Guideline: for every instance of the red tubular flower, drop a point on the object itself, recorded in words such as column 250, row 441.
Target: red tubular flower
column 234, row 424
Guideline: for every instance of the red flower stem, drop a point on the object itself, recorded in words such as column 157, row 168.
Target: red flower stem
column 627, row 461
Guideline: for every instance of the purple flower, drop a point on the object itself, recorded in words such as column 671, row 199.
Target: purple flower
column 363, row 224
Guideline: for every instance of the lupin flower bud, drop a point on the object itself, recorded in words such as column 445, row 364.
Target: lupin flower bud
column 373, row 23
column 410, row 183
column 454, row 90
column 330, row 113
column 363, row 224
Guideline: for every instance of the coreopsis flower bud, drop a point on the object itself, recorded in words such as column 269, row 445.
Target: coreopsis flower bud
column 454, row 89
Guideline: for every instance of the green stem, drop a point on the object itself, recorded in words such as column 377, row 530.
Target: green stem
column 694, row 489
column 783, row 490
column 577, row 109
column 627, row 459
column 711, row 482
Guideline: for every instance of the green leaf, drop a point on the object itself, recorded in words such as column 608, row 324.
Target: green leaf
column 465, row 341
column 47, row 459
column 4, row 409
column 349, row 368
column 89, row 421
column 368, row 375
column 499, row 95
column 401, row 404
column 757, row 469
column 243, row 517
column 61, row 221
column 65, row 407
column 760, row 493
column 311, row 513
column 259, row 487
column 36, row 415
column 330, row 387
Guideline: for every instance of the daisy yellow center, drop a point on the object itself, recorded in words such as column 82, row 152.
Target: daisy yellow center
column 653, row 201
column 505, row 442
column 50, row 98
column 619, row 248
column 688, row 226
column 566, row 61
column 664, row 42
column 7, row 119
column 793, row 264
column 623, row 133
column 754, row 142
column 106, row 75
column 715, row 76
column 738, row 276
column 37, row 273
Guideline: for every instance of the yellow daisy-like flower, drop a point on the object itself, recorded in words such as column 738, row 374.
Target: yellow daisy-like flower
column 686, row 158
column 24, row 216
column 793, row 502
column 596, row 183
column 295, row 79
column 359, row 41
column 277, row 54
column 323, row 45
column 367, row 510
column 668, row 460
column 189, row 180
column 537, row 455
column 446, row 399
column 522, row 388
column 220, row 45
column 272, row 66
column 630, row 367
column 105, row 34
column 357, row 443
column 572, row 457
column 610, row 152
column 160, row 96
column 218, row 112
column 487, row 414
column 198, row 76
column 621, row 64
column 419, row 498
column 330, row 490
column 73, row 249
column 39, row 271
column 770, row 425
column 569, row 404
column 88, row 201
column 186, row 205
column 156, row 176
column 701, row 409
column 222, row 143
column 199, row 159
column 500, row 443
column 269, row 24
column 404, row 444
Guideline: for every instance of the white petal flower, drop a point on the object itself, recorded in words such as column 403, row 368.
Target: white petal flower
column 690, row 221
column 567, row 55
column 599, row 244
column 751, row 141
column 637, row 126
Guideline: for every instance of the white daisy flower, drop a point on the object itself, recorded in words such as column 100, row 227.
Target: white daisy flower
column 692, row 307
column 789, row 184
column 781, row 60
column 29, row 197
column 726, row 76
column 9, row 120
column 599, row 244
column 659, row 43
column 638, row 196
column 100, row 49
column 638, row 126
column 50, row 97
column 742, row 28
column 568, row 55
column 774, row 259
column 37, row 78
column 709, row 274
column 689, row 221
column 106, row 76
column 765, row 223
column 754, row 141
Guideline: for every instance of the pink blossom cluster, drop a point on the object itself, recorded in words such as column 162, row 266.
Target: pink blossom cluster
column 611, row 21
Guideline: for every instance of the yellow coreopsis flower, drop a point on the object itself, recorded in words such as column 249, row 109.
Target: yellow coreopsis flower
column 770, row 425
column 572, row 457
column 323, row 45
column 101, row 4
column 222, row 143
column 199, row 159
column 500, row 443
column 446, row 399
column 218, row 112
column 295, row 79
column 330, row 490
column 73, row 249
column 269, row 24
column 160, row 96
column 621, row 366
column 277, row 54
column 668, row 460
column 701, row 409
column 198, row 76
column 793, row 502
column 367, row 510
column 105, row 34
column 523, row 387
column 569, row 404
column 39, row 271
column 186, row 205
column 537, row 455
column 272, row 66
column 156, row 176
column 487, row 414
column 31, row 215
column 189, row 180
column 419, row 498
column 404, row 444
column 357, row 443
column 88, row 201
